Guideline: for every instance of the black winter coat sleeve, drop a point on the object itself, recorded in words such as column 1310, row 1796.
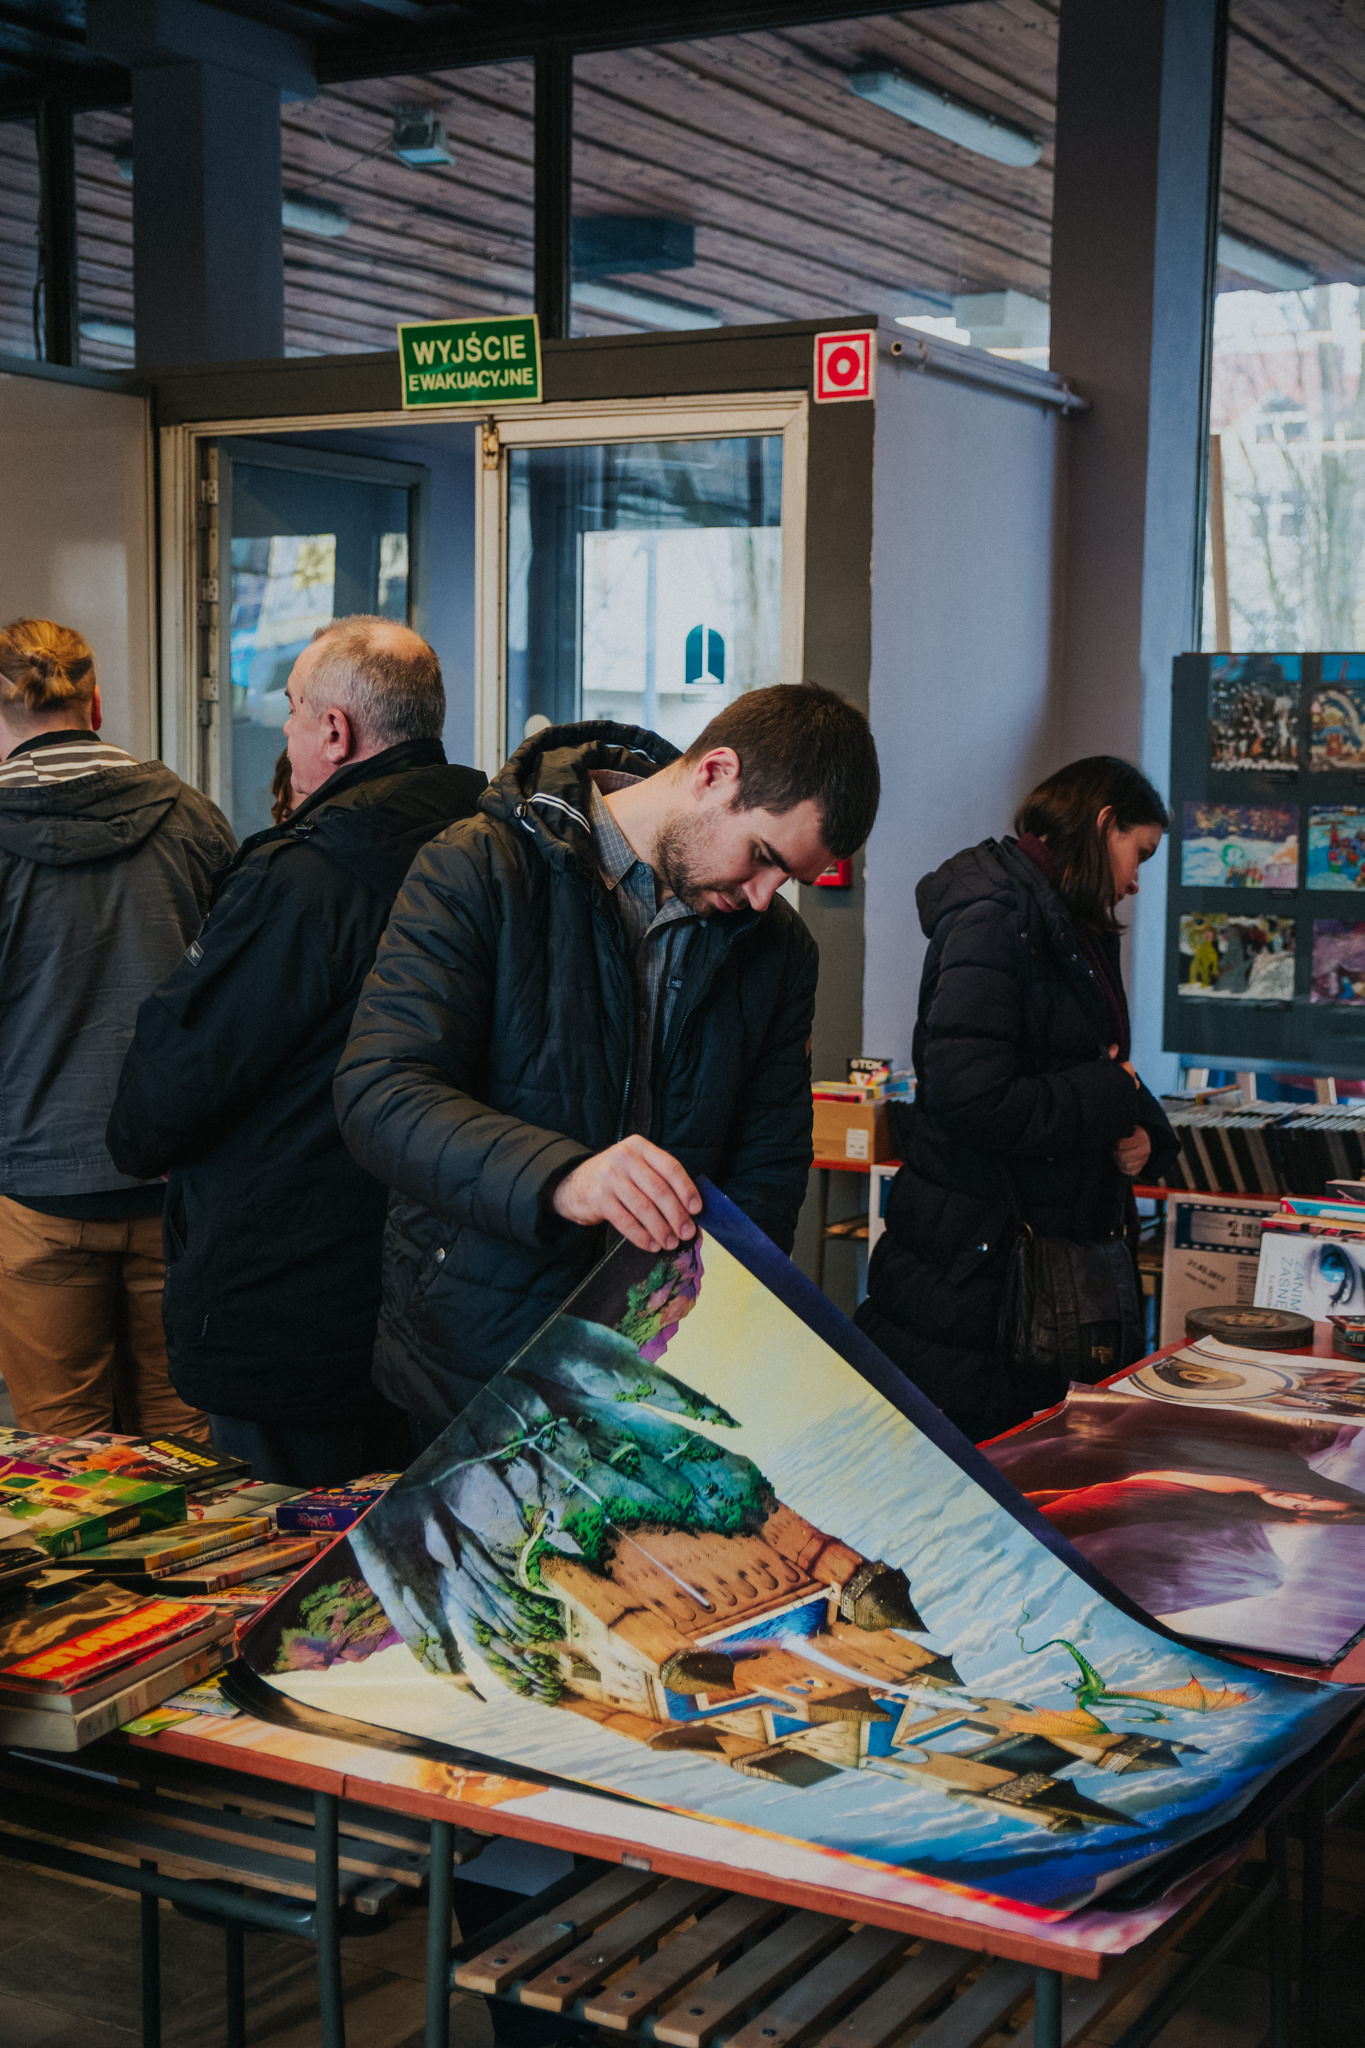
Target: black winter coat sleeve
column 772, row 1152
column 248, row 995
column 408, row 1088
column 971, row 1034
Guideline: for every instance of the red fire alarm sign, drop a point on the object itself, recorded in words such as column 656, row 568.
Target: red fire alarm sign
column 844, row 365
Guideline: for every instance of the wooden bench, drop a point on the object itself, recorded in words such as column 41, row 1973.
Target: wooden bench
column 246, row 1853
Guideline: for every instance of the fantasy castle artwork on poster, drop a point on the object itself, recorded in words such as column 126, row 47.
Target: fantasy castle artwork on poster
column 686, row 1549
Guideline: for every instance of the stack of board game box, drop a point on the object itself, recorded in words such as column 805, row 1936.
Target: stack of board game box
column 126, row 1567
column 78, row 1666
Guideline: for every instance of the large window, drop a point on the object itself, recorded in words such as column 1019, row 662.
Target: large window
column 1286, row 535
column 406, row 199
column 20, row 306
column 787, row 175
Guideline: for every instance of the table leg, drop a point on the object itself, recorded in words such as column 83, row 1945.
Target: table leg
column 1314, row 1822
column 1280, row 1945
column 1047, row 2009
column 234, row 1958
column 441, row 1865
column 326, row 1920
column 821, row 1223
column 151, row 1966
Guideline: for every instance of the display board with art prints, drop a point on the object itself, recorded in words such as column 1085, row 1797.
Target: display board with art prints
column 699, row 1545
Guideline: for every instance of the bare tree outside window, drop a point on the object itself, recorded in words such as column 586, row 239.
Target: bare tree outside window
column 1288, row 409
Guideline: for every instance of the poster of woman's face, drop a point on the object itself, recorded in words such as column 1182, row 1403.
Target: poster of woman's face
column 1238, row 1529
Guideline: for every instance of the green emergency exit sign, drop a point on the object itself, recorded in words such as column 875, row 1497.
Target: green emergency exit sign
column 470, row 362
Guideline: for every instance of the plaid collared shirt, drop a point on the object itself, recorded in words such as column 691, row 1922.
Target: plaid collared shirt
column 657, row 935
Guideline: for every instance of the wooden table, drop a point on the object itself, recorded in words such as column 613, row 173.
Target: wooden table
column 1073, row 1970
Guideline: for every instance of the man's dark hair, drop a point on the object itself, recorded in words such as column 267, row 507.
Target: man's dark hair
column 798, row 742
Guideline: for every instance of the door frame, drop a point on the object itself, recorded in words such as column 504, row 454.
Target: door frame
column 705, row 417
column 193, row 639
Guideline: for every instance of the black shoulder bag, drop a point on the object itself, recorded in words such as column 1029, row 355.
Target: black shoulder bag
column 1069, row 1311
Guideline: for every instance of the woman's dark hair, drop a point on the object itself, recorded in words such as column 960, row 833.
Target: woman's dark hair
column 1064, row 811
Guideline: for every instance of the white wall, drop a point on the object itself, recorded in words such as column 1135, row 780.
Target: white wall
column 75, row 534
column 966, row 521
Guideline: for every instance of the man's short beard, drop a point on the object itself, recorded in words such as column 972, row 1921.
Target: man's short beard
column 674, row 861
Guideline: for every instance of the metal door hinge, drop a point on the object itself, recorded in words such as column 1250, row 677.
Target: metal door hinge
column 208, row 590
column 208, row 689
column 490, row 444
column 208, row 490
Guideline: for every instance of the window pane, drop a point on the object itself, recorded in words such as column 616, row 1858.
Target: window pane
column 644, row 581
column 741, row 178
column 1286, row 535
column 104, row 237
column 395, row 240
column 18, row 238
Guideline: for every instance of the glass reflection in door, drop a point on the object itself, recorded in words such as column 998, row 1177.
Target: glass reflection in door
column 305, row 544
column 644, row 581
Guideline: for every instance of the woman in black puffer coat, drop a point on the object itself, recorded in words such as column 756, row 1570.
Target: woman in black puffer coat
column 1024, row 1080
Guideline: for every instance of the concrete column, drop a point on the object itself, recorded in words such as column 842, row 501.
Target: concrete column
column 1135, row 219
column 208, row 246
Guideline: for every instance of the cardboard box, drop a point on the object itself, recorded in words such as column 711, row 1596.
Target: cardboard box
column 856, row 1131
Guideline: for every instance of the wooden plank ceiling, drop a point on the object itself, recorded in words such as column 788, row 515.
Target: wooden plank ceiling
column 807, row 201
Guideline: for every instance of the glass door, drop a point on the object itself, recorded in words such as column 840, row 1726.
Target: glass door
column 305, row 536
column 640, row 563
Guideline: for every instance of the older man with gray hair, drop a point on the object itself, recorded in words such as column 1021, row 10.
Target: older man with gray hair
column 272, row 1233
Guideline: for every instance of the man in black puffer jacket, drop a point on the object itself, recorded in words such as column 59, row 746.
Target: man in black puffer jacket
column 585, row 998
column 272, row 1232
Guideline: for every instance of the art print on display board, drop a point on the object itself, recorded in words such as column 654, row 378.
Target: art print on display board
column 1337, row 714
column 701, row 1546
column 1338, row 961
column 1336, row 846
column 1246, row 958
column 1254, row 712
column 1240, row 846
column 1246, row 1530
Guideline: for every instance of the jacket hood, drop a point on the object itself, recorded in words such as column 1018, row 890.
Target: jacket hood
column 997, row 871
column 375, row 818
column 544, row 787
column 977, row 874
column 103, row 816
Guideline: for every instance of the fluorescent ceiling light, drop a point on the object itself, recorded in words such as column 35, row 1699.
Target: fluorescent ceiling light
column 313, row 216
column 1264, row 266
column 419, row 139
column 605, row 244
column 954, row 120
column 942, row 326
column 630, row 305
column 112, row 332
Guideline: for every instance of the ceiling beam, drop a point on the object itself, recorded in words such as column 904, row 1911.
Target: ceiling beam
column 83, row 88
column 519, row 30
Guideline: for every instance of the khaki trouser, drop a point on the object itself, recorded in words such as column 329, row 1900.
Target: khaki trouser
column 80, row 1326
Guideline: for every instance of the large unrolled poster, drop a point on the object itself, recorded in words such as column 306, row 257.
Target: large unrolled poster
column 701, row 1546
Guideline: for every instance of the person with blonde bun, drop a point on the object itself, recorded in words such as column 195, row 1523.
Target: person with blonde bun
column 106, row 868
